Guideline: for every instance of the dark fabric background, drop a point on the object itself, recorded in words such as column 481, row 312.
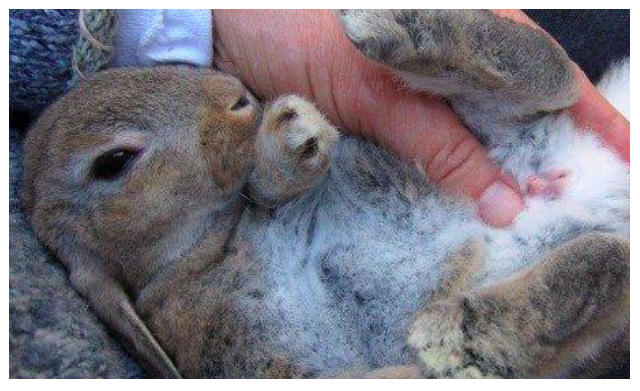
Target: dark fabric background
column 593, row 38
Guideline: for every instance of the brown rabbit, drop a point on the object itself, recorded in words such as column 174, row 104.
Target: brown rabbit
column 219, row 239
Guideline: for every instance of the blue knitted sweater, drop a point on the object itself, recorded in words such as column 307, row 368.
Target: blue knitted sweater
column 40, row 56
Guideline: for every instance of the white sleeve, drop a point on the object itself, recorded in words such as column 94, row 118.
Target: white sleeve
column 157, row 36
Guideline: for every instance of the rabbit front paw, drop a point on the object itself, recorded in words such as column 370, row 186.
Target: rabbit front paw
column 293, row 149
column 300, row 133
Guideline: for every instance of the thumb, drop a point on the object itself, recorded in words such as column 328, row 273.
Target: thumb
column 595, row 113
column 425, row 130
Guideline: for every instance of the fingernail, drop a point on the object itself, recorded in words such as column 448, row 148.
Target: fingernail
column 499, row 205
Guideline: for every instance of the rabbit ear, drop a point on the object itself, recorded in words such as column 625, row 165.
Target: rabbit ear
column 113, row 306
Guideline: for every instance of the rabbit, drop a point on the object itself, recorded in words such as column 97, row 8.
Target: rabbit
column 218, row 237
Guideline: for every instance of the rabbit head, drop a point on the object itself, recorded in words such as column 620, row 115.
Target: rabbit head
column 128, row 171
column 132, row 156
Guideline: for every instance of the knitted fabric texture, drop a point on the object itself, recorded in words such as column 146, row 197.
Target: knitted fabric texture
column 40, row 56
column 50, row 50
column 94, row 48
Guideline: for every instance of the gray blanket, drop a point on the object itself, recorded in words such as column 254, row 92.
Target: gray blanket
column 52, row 332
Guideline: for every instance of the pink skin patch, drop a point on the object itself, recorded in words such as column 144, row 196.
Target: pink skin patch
column 549, row 184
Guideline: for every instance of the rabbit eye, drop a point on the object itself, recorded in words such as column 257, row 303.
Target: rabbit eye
column 111, row 165
column 241, row 103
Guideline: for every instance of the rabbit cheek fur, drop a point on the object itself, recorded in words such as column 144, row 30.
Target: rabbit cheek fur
column 342, row 262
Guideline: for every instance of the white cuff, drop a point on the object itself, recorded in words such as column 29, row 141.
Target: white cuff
column 156, row 36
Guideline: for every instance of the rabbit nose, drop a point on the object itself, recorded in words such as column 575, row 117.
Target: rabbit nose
column 246, row 101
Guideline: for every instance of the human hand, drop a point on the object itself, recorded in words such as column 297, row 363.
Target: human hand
column 307, row 53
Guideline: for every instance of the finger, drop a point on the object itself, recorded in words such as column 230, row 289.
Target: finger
column 592, row 111
column 595, row 113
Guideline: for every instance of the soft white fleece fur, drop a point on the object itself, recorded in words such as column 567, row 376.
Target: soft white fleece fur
column 616, row 86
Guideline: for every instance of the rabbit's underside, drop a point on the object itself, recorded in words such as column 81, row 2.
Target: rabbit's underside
column 334, row 279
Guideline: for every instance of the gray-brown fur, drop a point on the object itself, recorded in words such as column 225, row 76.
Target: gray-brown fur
column 541, row 323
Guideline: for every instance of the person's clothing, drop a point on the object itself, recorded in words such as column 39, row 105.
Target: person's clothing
column 40, row 56
column 155, row 36
column 52, row 50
